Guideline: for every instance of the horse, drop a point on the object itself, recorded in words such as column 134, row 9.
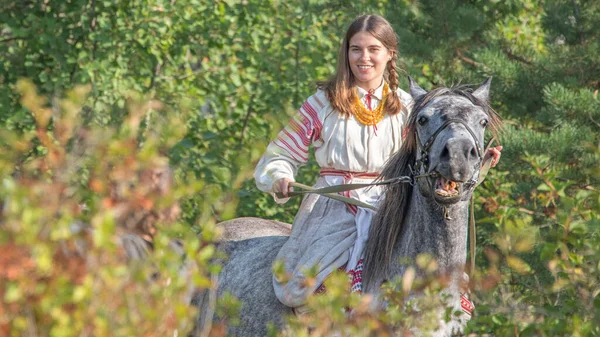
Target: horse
column 442, row 154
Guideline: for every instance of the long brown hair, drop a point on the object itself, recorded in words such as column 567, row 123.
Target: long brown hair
column 340, row 88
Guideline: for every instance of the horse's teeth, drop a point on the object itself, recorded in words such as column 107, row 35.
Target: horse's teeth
column 446, row 187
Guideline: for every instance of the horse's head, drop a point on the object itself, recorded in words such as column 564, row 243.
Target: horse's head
column 443, row 149
column 448, row 126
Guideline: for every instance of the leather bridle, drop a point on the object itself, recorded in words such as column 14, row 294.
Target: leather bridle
column 423, row 160
column 421, row 168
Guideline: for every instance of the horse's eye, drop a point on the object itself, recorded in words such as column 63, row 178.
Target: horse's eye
column 484, row 122
column 422, row 120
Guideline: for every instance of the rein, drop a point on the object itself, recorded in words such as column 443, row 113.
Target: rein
column 331, row 191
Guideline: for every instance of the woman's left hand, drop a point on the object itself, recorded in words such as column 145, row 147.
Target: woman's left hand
column 495, row 153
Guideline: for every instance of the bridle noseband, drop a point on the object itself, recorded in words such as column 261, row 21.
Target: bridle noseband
column 422, row 163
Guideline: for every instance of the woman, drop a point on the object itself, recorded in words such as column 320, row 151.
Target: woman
column 354, row 121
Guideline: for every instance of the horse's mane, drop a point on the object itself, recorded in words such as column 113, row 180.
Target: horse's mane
column 386, row 225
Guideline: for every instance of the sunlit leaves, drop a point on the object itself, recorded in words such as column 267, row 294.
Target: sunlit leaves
column 88, row 199
column 549, row 252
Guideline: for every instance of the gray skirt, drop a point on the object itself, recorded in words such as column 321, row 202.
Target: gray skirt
column 323, row 234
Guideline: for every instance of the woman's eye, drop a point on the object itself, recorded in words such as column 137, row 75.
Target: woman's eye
column 422, row 120
column 484, row 122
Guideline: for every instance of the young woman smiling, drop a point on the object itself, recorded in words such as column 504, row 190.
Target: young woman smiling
column 354, row 122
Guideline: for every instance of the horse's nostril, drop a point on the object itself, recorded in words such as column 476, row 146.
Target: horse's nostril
column 445, row 153
column 473, row 152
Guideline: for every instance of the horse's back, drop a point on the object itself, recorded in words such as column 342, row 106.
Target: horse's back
column 249, row 228
column 251, row 245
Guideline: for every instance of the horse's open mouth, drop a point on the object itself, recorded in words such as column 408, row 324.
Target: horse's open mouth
column 446, row 188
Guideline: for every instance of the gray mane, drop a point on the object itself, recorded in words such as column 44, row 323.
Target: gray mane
column 387, row 223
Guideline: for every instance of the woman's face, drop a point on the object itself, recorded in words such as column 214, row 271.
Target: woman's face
column 368, row 59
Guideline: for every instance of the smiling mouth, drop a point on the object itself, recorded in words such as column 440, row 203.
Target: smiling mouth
column 446, row 188
column 365, row 67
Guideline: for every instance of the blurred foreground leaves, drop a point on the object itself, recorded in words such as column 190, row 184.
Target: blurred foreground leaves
column 89, row 221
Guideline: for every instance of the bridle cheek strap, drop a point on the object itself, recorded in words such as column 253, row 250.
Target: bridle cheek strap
column 425, row 148
column 481, row 169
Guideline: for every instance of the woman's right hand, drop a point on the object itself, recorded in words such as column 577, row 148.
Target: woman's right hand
column 283, row 185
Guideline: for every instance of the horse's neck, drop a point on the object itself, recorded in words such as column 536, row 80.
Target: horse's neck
column 427, row 231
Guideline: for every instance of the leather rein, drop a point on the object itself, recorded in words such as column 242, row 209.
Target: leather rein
column 421, row 163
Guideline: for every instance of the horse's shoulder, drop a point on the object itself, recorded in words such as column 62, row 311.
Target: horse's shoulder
column 248, row 228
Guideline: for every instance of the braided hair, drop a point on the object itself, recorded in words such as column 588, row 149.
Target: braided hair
column 340, row 88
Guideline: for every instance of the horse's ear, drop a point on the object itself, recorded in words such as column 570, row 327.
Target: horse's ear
column 415, row 90
column 483, row 92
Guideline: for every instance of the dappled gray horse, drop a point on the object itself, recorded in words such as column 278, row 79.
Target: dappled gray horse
column 443, row 148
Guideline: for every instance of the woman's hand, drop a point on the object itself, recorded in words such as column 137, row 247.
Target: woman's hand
column 283, row 186
column 495, row 153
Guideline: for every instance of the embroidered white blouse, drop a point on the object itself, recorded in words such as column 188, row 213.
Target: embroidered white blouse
column 340, row 143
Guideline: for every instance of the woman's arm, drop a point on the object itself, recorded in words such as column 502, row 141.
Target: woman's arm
column 286, row 153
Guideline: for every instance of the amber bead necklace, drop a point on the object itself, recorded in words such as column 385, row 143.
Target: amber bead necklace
column 366, row 116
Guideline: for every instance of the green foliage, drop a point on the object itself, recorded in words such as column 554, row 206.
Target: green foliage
column 577, row 106
column 542, row 265
column 569, row 145
column 78, row 220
